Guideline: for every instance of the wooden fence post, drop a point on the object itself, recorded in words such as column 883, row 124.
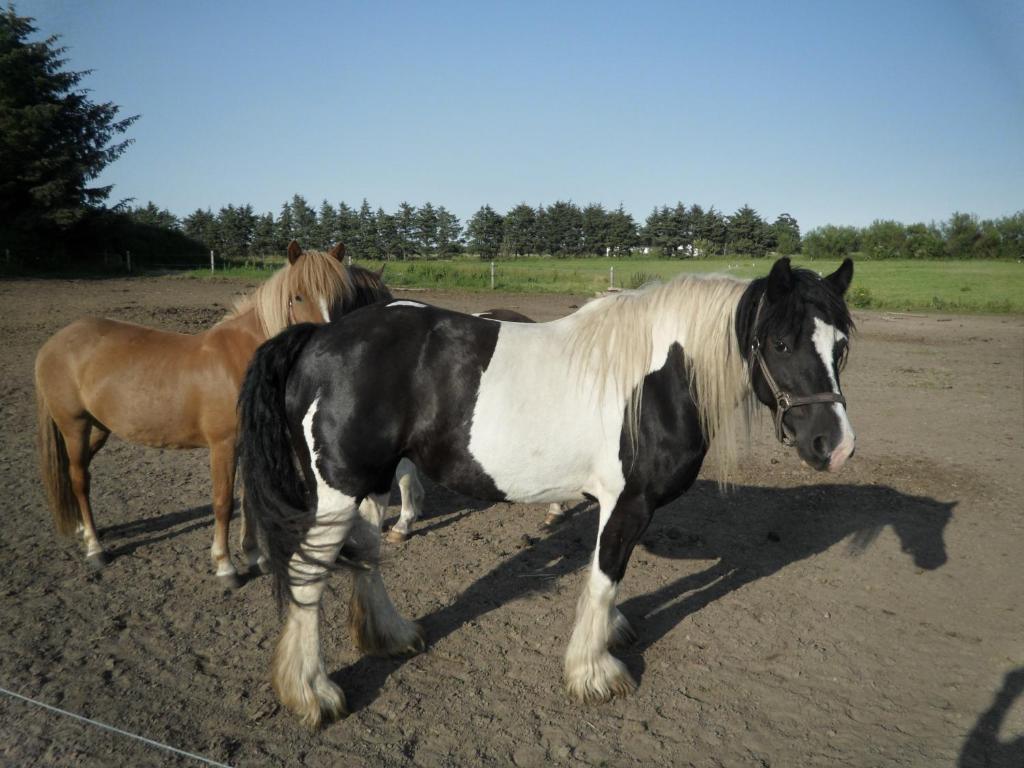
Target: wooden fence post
column 211, row 262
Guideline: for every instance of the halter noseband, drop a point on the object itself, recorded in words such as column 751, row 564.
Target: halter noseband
column 783, row 400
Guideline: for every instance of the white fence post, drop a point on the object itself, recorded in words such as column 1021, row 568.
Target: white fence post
column 492, row 275
column 611, row 278
column 211, row 262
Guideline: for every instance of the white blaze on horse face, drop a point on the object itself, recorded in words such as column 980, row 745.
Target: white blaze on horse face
column 406, row 303
column 323, row 311
column 825, row 337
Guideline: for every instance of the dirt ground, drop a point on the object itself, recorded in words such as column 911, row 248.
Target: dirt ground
column 868, row 618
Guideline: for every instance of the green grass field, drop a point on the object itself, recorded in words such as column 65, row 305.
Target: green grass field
column 946, row 286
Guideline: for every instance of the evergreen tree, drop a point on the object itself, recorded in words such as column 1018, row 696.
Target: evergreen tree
column 486, row 230
column 201, row 226
column 748, row 234
column 263, row 235
column 304, row 222
column 235, row 228
column 520, row 235
column 366, row 246
column 154, row 216
column 786, row 235
column 284, row 229
column 327, row 230
column 389, row 242
column 405, row 231
column 424, row 230
column 561, row 229
column 622, row 231
column 348, row 227
column 449, row 232
column 54, row 141
column 594, row 229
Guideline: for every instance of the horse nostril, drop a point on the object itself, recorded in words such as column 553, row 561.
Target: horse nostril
column 821, row 446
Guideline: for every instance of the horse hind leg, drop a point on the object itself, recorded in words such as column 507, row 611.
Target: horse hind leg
column 297, row 671
column 412, row 501
column 591, row 672
column 83, row 441
column 255, row 560
column 555, row 515
column 375, row 625
column 222, row 472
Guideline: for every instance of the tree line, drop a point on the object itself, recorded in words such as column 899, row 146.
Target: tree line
column 962, row 236
column 561, row 229
column 55, row 141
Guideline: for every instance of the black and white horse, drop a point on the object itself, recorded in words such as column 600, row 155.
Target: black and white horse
column 619, row 402
column 408, row 480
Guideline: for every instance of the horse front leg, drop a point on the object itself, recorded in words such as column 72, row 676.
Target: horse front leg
column 375, row 624
column 222, row 473
column 591, row 672
column 412, row 501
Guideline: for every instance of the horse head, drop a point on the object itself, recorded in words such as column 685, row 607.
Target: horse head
column 797, row 343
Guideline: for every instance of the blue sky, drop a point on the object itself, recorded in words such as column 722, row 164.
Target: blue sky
column 835, row 112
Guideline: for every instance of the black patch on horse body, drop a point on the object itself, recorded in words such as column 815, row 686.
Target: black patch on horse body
column 396, row 381
column 660, row 465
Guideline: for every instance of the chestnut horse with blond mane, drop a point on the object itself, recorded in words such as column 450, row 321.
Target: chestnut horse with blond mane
column 173, row 390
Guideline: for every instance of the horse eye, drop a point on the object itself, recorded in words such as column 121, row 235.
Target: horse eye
column 298, row 298
column 780, row 345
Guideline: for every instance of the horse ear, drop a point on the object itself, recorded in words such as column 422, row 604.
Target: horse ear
column 338, row 251
column 840, row 279
column 780, row 280
column 380, row 275
column 294, row 251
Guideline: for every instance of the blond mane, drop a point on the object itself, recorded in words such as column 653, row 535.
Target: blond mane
column 314, row 275
column 613, row 341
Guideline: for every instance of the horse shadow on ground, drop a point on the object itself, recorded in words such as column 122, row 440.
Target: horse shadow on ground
column 135, row 534
column 982, row 747
column 752, row 532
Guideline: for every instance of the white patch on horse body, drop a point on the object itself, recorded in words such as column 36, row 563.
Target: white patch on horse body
column 540, row 435
column 824, row 338
column 326, row 496
column 406, row 303
column 323, row 310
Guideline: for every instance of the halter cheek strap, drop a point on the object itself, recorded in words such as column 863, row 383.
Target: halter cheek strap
column 783, row 400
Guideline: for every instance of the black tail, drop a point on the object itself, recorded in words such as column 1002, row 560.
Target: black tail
column 276, row 498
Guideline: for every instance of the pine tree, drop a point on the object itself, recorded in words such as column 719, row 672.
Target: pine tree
column 304, row 222
column 520, row 235
column 327, row 233
column 486, row 232
column 263, row 235
column 54, row 141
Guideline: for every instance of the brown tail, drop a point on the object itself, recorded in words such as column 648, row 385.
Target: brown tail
column 53, row 468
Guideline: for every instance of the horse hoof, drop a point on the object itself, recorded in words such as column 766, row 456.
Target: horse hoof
column 397, row 537
column 552, row 521
column 229, row 580
column 97, row 560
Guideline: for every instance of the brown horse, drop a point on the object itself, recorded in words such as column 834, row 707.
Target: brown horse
column 173, row 390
